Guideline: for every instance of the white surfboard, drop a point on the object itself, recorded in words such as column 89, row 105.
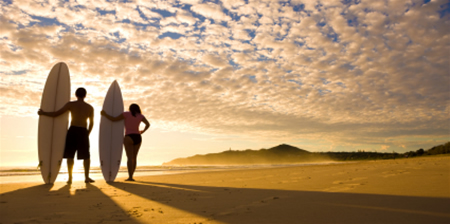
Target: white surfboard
column 111, row 134
column 52, row 131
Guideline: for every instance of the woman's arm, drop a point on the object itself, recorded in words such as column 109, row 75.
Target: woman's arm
column 147, row 125
column 111, row 118
column 55, row 113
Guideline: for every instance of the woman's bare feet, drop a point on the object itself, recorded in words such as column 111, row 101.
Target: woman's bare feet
column 89, row 180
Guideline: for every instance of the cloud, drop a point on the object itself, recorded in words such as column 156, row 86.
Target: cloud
column 124, row 11
column 186, row 17
column 350, row 73
column 149, row 13
column 215, row 61
column 210, row 10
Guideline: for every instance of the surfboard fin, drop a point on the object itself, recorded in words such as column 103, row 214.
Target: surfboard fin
column 39, row 165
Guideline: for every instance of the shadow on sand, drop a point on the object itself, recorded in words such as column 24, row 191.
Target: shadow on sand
column 81, row 203
column 205, row 204
column 244, row 205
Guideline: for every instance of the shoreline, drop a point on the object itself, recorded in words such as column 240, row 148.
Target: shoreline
column 413, row 190
column 25, row 174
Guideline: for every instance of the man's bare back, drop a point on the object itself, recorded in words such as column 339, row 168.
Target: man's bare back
column 80, row 112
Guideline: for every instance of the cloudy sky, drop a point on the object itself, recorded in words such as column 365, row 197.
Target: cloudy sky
column 322, row 75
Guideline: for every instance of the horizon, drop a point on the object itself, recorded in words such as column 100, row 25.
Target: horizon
column 213, row 75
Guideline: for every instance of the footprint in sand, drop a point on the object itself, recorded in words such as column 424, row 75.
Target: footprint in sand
column 247, row 208
column 135, row 212
column 393, row 173
column 345, row 185
column 349, row 180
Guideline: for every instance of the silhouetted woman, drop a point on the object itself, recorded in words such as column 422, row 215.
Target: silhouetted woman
column 132, row 140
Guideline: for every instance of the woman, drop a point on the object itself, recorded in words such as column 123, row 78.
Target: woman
column 132, row 140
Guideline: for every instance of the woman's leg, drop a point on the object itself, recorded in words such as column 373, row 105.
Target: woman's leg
column 135, row 153
column 129, row 149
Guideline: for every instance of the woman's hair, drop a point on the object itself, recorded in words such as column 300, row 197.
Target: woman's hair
column 135, row 109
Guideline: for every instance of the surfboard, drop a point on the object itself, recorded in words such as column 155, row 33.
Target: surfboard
column 52, row 131
column 111, row 134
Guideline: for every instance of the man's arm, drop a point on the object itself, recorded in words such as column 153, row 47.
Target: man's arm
column 91, row 120
column 65, row 108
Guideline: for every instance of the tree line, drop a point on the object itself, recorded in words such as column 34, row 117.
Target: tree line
column 290, row 154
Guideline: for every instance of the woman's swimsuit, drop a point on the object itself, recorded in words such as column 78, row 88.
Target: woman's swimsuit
column 137, row 139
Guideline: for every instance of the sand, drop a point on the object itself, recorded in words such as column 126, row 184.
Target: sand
column 414, row 190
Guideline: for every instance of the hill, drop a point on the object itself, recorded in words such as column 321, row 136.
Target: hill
column 289, row 154
column 278, row 154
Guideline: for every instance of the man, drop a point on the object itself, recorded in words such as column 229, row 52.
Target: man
column 77, row 138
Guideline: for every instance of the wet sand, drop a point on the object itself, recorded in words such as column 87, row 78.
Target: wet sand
column 415, row 190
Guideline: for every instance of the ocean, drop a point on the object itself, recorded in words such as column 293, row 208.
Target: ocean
column 33, row 174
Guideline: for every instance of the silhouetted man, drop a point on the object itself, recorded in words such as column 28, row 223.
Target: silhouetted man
column 77, row 139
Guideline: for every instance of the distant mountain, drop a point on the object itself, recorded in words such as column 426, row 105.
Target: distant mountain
column 289, row 154
column 283, row 148
column 278, row 154
column 440, row 149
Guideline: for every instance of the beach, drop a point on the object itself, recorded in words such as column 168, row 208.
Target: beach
column 410, row 190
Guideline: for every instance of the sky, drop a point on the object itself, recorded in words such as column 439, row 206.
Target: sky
column 238, row 74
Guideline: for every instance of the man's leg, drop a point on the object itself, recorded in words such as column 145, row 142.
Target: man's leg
column 87, row 165
column 70, row 163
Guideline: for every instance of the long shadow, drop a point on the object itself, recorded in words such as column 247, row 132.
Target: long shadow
column 68, row 204
column 243, row 205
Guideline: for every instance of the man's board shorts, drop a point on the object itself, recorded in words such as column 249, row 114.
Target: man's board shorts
column 77, row 140
column 137, row 139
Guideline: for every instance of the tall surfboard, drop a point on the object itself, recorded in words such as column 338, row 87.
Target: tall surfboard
column 111, row 134
column 52, row 131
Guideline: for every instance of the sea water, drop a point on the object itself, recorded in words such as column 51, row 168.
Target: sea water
column 33, row 174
